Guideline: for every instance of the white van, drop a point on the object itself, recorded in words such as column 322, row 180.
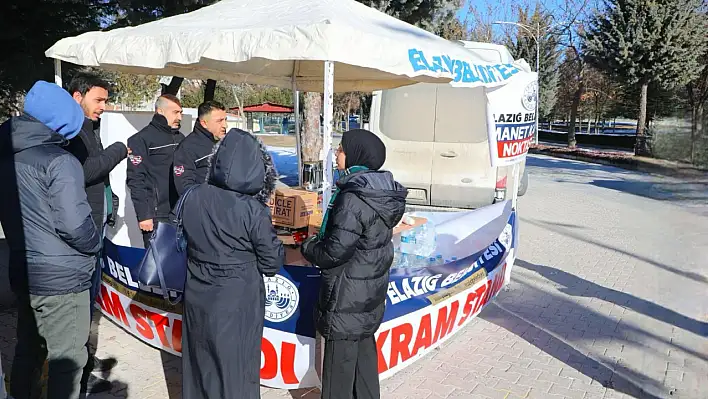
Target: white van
column 436, row 140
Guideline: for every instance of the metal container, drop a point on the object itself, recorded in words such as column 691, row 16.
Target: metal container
column 312, row 176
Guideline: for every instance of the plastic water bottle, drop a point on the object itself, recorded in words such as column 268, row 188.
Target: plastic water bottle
column 408, row 241
column 420, row 240
column 400, row 261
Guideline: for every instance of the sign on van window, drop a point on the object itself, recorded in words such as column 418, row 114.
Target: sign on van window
column 511, row 119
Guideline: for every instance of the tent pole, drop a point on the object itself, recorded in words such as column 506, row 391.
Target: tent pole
column 57, row 73
column 327, row 113
column 296, row 109
column 515, row 187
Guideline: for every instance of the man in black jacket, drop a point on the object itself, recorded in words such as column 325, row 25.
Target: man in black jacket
column 91, row 93
column 149, row 174
column 192, row 155
column 52, row 239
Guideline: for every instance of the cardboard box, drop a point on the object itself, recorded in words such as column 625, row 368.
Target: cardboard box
column 315, row 223
column 292, row 208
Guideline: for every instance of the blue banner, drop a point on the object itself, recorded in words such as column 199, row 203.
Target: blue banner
column 291, row 296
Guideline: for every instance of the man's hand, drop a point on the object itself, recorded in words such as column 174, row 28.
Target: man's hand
column 129, row 150
column 146, row 225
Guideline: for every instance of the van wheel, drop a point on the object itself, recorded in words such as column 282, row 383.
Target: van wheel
column 524, row 184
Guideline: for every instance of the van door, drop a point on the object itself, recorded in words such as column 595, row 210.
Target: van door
column 462, row 174
column 404, row 118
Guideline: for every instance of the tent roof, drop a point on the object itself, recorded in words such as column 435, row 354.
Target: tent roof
column 269, row 41
column 269, row 108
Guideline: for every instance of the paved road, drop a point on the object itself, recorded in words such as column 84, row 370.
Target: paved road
column 608, row 300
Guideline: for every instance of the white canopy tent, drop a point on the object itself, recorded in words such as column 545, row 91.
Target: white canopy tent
column 310, row 45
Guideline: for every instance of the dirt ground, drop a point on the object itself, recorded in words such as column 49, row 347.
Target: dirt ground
column 278, row 141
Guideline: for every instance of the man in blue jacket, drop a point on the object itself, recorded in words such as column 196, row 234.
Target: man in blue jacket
column 52, row 239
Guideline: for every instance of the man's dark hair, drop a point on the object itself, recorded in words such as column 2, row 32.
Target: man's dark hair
column 206, row 107
column 84, row 81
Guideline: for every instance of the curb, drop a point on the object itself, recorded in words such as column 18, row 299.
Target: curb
column 627, row 163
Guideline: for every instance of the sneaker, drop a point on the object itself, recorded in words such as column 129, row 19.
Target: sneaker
column 96, row 385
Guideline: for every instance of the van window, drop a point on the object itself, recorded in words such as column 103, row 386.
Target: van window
column 461, row 115
column 408, row 113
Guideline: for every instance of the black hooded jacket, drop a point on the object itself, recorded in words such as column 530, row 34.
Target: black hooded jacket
column 355, row 254
column 231, row 244
column 226, row 220
column 44, row 212
column 191, row 162
column 149, row 174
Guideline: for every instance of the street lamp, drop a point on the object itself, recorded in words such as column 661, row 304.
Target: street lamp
column 535, row 37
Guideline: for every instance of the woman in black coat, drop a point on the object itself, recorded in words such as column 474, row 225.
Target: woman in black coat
column 354, row 252
column 231, row 244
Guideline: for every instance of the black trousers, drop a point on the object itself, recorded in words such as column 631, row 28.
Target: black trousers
column 350, row 370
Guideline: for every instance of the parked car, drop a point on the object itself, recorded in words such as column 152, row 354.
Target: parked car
column 436, row 140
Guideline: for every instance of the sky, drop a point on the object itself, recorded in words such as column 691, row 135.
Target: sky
column 503, row 9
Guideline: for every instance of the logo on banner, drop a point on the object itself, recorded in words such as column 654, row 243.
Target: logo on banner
column 179, row 170
column 506, row 236
column 135, row 159
column 528, row 99
column 281, row 298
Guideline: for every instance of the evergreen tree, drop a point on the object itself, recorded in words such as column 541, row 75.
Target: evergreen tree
column 29, row 27
column 644, row 42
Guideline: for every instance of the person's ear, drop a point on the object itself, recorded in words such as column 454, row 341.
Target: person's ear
column 78, row 97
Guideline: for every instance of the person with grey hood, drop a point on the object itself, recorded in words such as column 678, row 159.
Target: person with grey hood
column 52, row 239
column 231, row 245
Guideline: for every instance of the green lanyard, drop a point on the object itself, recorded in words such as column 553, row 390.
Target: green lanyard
column 346, row 172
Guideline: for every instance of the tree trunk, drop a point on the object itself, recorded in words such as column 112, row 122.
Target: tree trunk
column 641, row 147
column 572, row 142
column 349, row 108
column 311, row 137
column 696, row 129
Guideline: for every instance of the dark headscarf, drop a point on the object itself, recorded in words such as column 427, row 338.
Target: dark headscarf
column 363, row 148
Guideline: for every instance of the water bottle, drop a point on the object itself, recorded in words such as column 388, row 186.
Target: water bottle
column 408, row 241
column 400, row 260
column 420, row 240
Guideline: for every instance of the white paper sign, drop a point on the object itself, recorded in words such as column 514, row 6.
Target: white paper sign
column 511, row 119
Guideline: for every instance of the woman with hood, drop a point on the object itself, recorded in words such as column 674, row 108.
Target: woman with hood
column 231, row 245
column 354, row 252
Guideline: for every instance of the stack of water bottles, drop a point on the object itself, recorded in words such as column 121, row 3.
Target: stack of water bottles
column 417, row 248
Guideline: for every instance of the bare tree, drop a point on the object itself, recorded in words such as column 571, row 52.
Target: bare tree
column 311, row 133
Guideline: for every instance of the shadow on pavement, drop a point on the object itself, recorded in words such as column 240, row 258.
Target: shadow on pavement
column 172, row 367
column 696, row 191
column 576, row 286
column 553, row 227
column 560, row 163
column 594, row 344
column 605, row 371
